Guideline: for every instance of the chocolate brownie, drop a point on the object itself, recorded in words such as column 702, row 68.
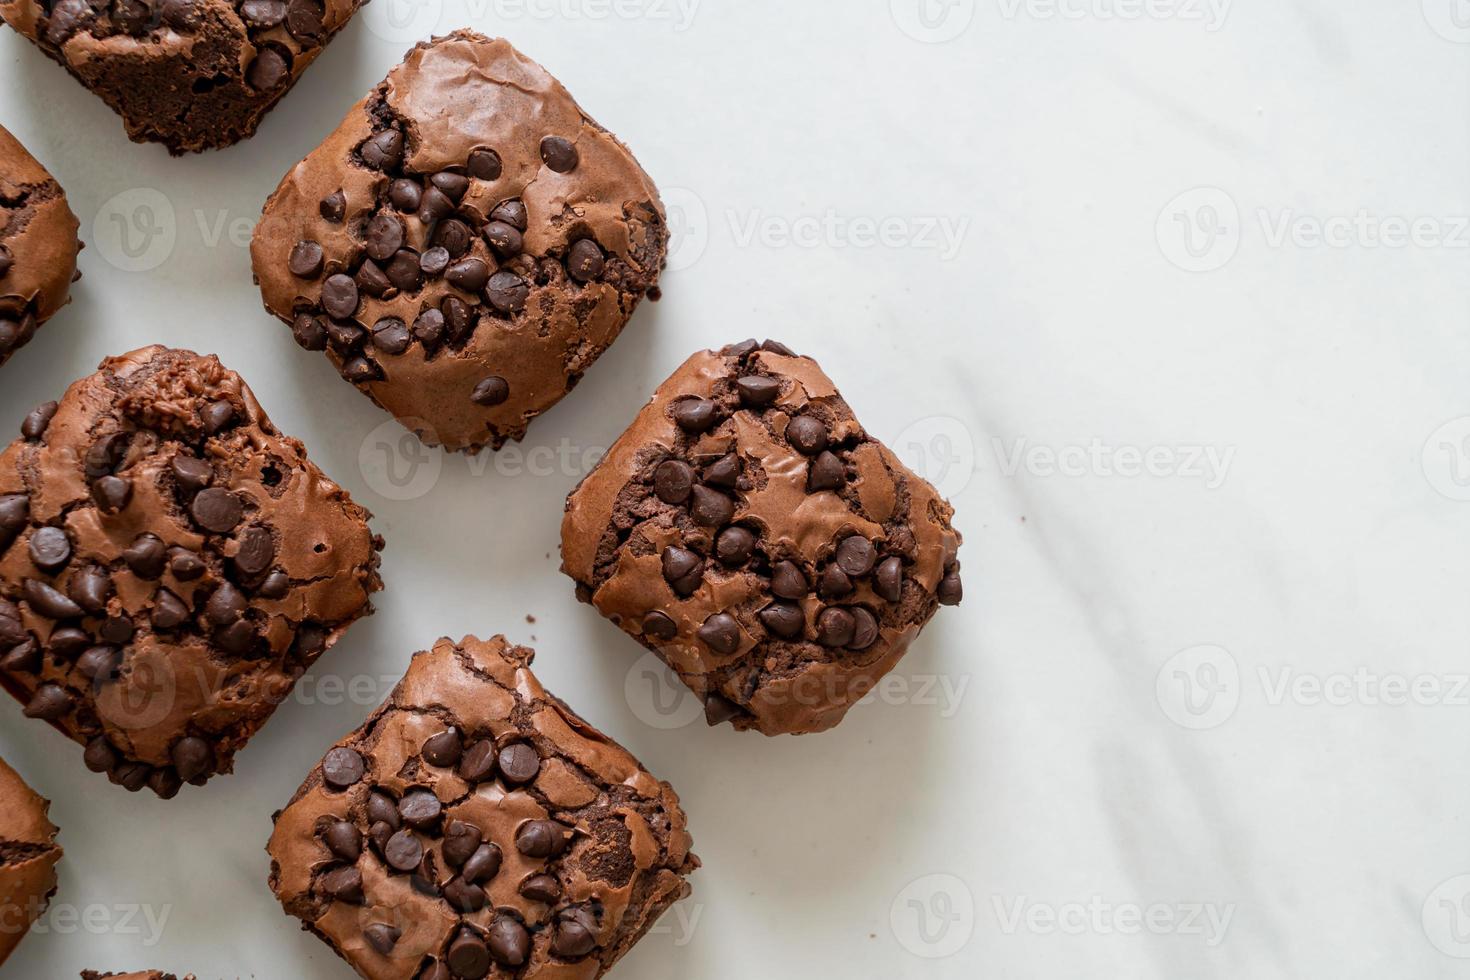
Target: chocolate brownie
column 748, row 531
column 38, row 246
column 170, row 564
column 465, row 245
column 475, row 826
column 28, row 856
column 190, row 74
column 144, row 975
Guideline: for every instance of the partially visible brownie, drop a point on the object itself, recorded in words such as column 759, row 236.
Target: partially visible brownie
column 38, row 246
column 190, row 74
column 145, row 975
column 475, row 826
column 465, row 245
column 749, row 531
column 170, row 564
column 28, row 856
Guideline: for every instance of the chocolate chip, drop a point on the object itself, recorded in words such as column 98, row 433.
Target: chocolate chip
column 734, row 546
column 180, row 14
column 105, row 455
column 216, row 416
column 306, row 260
column 112, row 493
column 383, row 150
column 48, row 602
column 184, row 565
column 507, row 292
column 344, row 885
column 575, row 936
column 827, row 473
column 226, row 605
column 465, row 897
column 776, row 347
column 304, row 20
column 24, row 657
column 37, row 421
column 856, row 555
column 309, row 332
column 834, row 582
column 455, row 236
column 7, row 261
column 403, row 851
column 217, row 510
column 461, row 840
column 391, row 336
column 541, row 888
column 758, row 391
column 470, row 274
column 683, row 569
column 482, row 865
column 659, row 626
column 541, row 838
column 452, row 184
column 132, row 776
column 68, row 642
column 444, row 749
column 694, row 415
column 381, row 808
column 478, row 764
column 343, row 767
column 585, row 260
column 484, row 164
column 15, row 509
column 505, row 240
column 508, row 941
column 721, row 633
column 807, row 435
column 263, row 13
column 711, row 508
column 371, row 279
column 192, row 757
column 50, row 549
column 360, row 370
column 865, row 630
column 403, row 271
column 951, row 589
column 835, row 627
column 673, row 480
column 345, row 336
column 90, row 588
column 384, row 236
column 518, row 763
column 165, row 783
column 99, row 662
column 339, row 296
column 420, row 809
column 428, row 328
column 67, row 18
column 785, row 619
column 405, row 195
column 277, row 585
column 269, row 70
column 257, row 549
column 382, row 937
column 490, row 392
column 145, row 556
column 169, row 611
column 888, row 583
column 333, row 207
column 718, row 710
column 100, row 756
column 558, row 153
column 512, row 212
column 50, row 702
column 435, row 206
column 117, row 629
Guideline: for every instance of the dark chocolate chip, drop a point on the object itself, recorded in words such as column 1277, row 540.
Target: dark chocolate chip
column 470, row 274
column 99, row 663
column 694, row 415
column 434, row 206
column 169, row 611
column 112, row 493
column 478, row 764
column 444, row 749
column 452, row 184
column 309, row 332
column 575, row 935
column 508, row 941
column 428, row 328
column 360, row 370
column 37, row 421
column 382, row 937
column 461, row 840
column 403, row 851
column 333, row 207
column 490, row 392
column 343, row 885
column 24, row 657
column 659, row 626
column 50, row 549
column 68, row 642
column 719, row 709
column 381, row 808
column 50, row 702
column 673, row 480
column 505, row 240
column 420, row 809
column 277, row 585
column 865, row 630
column 371, row 279
column 100, row 756
column 269, row 70
column 391, row 336
column 827, row 473
column 721, row 633
column 256, row 551
column 105, row 455
column 683, row 569
column 184, row 565
column 339, row 296
column 482, row 865
column 724, row 472
column 541, row 838
column 484, row 164
column 383, row 150
column 306, row 260
column 263, row 13
column 304, row 20
column 585, row 260
column 218, row 510
column 785, row 619
column 403, row 271
column 541, row 888
column 117, row 629
column 48, row 602
column 405, row 195
column 191, row 473
column 776, row 347
column 465, row 897
column 758, row 391
column 225, row 605
column 835, row 627
column 512, row 212
column 951, row 590
column 558, row 153
column 146, row 556
column 834, row 583
column 734, row 546
column 711, row 508
column 856, row 555
column 518, row 763
column 453, row 235
column 90, row 589
column 507, row 292
column 807, row 435
column 193, row 757
column 384, row 235
column 742, row 349
column 343, row 767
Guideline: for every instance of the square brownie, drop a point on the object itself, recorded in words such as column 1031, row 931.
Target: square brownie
column 465, row 245
column 170, row 564
column 750, row 533
column 190, row 74
column 38, row 246
column 476, row 826
column 28, row 856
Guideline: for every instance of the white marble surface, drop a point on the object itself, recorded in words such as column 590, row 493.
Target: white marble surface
column 1205, row 720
